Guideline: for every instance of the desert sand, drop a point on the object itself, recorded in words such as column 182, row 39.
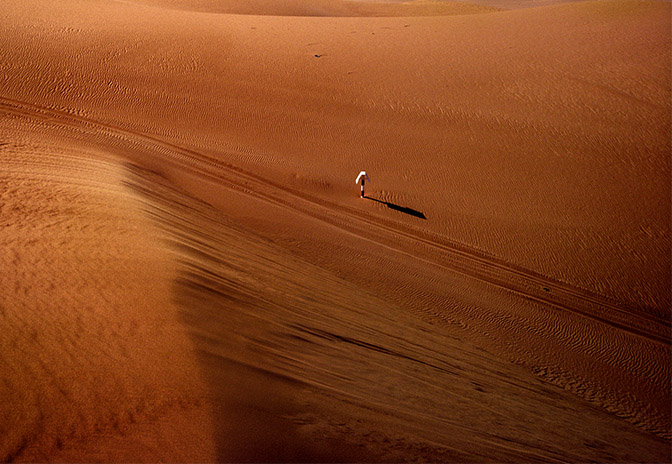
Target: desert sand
column 188, row 272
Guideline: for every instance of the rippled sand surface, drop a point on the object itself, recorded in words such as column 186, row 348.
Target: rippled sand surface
column 188, row 272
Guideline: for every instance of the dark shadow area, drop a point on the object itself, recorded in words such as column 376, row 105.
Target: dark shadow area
column 401, row 209
column 260, row 413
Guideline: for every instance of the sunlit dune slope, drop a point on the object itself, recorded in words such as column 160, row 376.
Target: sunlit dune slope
column 92, row 346
column 539, row 136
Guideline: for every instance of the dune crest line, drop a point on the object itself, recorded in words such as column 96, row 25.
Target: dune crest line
column 470, row 261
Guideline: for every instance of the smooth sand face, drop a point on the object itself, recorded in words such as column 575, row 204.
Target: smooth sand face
column 325, row 8
column 189, row 274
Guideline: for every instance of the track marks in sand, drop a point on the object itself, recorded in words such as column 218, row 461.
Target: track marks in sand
column 351, row 367
column 625, row 343
column 475, row 263
column 492, row 109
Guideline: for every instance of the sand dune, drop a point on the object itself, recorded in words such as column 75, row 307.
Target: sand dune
column 325, row 8
column 189, row 274
column 91, row 344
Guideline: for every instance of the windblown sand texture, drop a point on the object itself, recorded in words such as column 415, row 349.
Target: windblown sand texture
column 187, row 272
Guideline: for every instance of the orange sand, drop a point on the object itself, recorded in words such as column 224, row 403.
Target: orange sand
column 188, row 273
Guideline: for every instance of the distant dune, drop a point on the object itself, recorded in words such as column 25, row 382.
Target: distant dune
column 189, row 274
column 325, row 8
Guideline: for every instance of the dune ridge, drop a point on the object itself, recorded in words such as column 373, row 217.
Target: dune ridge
column 326, row 8
column 310, row 333
column 583, row 386
column 79, row 339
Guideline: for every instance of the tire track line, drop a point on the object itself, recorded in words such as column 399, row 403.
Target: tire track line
column 456, row 257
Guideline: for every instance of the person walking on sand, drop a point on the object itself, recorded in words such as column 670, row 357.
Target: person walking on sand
column 363, row 176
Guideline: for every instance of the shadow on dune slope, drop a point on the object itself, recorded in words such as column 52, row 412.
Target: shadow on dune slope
column 254, row 403
column 296, row 372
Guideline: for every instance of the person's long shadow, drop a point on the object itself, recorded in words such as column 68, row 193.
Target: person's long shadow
column 401, row 209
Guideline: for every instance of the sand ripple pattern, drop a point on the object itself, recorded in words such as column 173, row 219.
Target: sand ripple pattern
column 610, row 354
